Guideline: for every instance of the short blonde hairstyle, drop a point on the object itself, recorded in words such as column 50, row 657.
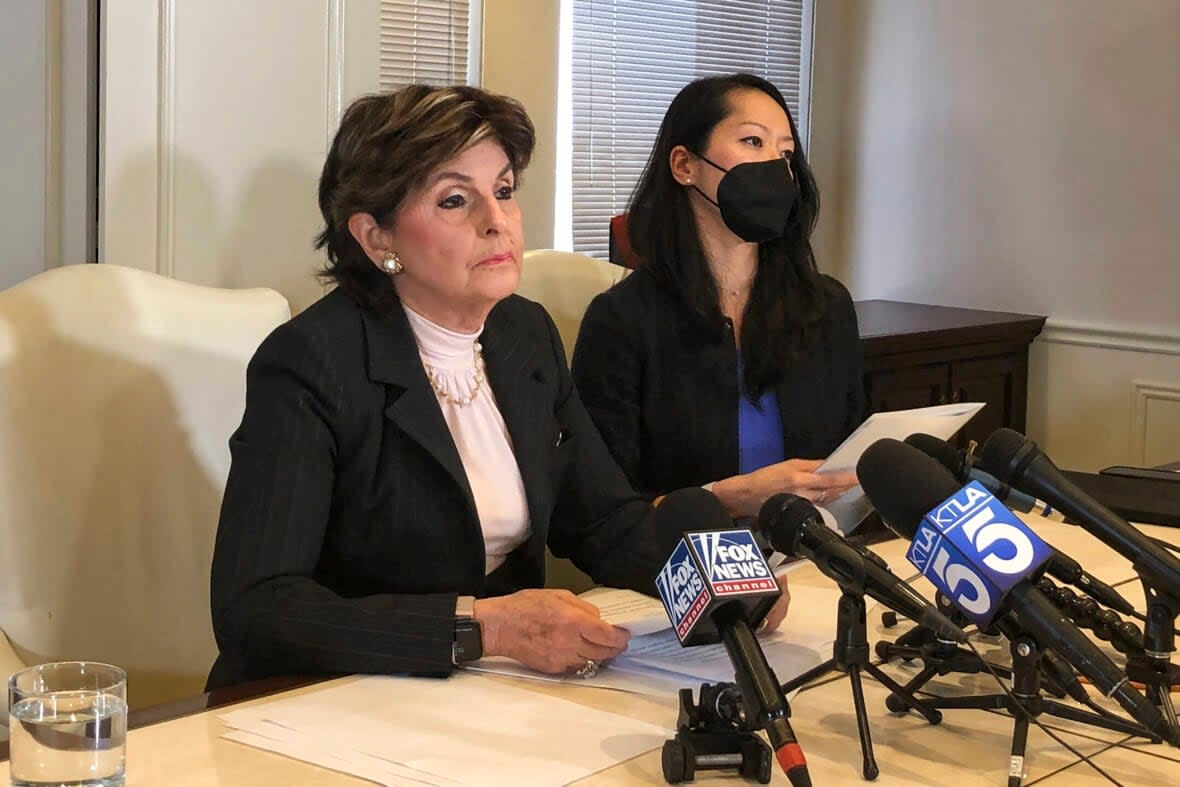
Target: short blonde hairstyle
column 387, row 144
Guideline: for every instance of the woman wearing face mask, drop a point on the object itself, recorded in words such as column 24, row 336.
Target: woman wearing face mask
column 726, row 359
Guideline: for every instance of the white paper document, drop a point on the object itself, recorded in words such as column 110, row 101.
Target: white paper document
column 654, row 663
column 466, row 730
column 661, row 652
column 941, row 421
column 629, row 610
column 796, row 647
column 651, row 682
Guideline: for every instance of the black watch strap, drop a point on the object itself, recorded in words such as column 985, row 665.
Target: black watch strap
column 468, row 644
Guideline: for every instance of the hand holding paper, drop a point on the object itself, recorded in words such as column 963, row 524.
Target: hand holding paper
column 635, row 612
column 743, row 495
column 548, row 630
column 942, row 421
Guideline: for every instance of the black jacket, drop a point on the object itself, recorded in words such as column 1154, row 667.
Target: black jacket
column 662, row 385
column 348, row 526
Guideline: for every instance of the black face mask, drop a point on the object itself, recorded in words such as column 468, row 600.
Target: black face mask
column 755, row 198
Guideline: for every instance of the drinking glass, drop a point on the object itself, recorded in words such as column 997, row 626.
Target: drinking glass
column 68, row 725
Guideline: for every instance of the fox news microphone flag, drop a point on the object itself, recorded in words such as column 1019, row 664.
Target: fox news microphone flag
column 708, row 570
column 716, row 587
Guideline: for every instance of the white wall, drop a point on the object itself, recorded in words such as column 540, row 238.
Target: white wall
column 217, row 116
column 997, row 154
column 77, row 119
column 23, row 154
column 47, row 136
column 520, row 59
column 1022, row 157
column 826, row 150
column 212, row 138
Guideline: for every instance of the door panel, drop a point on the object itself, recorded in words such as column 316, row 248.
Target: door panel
column 991, row 380
column 903, row 389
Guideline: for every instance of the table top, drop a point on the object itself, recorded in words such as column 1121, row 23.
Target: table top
column 884, row 317
column 969, row 747
column 895, row 326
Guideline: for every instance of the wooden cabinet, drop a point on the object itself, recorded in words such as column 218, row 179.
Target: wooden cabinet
column 918, row 355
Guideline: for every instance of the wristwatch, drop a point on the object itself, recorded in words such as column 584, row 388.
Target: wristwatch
column 468, row 642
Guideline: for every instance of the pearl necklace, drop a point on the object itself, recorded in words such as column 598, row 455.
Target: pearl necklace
column 459, row 401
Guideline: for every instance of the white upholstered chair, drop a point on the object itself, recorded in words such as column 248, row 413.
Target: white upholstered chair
column 9, row 663
column 565, row 283
column 119, row 390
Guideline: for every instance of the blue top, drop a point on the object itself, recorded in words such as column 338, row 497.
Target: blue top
column 760, row 430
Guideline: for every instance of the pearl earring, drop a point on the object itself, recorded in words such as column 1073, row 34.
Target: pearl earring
column 392, row 264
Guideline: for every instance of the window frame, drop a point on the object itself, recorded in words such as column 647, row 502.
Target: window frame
column 566, row 185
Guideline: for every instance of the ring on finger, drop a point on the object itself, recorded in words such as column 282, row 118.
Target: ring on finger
column 588, row 670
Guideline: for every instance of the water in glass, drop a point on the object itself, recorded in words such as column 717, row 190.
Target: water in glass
column 74, row 739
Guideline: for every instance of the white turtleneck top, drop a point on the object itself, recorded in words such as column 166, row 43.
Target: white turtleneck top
column 480, row 436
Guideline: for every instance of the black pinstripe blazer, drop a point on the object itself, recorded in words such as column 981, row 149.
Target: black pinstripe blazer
column 348, row 526
column 661, row 384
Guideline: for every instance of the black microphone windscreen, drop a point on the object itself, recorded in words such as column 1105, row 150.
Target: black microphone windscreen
column 781, row 518
column 903, row 483
column 1000, row 452
column 684, row 510
column 942, row 451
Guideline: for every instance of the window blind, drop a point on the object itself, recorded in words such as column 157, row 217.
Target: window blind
column 424, row 41
column 630, row 58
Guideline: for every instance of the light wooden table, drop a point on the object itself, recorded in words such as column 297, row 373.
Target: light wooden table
column 969, row 748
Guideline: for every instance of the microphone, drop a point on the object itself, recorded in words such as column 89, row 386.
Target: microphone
column 795, row 527
column 717, row 586
column 1060, row 565
column 962, row 467
column 1012, row 457
column 961, row 537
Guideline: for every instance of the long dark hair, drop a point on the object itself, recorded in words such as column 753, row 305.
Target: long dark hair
column 787, row 298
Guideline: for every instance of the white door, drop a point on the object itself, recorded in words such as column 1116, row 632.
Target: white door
column 216, row 117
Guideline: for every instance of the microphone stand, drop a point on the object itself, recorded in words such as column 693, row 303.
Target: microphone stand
column 1154, row 668
column 1025, row 702
column 939, row 656
column 1019, row 459
column 850, row 655
column 718, row 732
column 715, row 734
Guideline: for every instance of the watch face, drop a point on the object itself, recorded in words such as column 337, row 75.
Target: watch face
column 468, row 641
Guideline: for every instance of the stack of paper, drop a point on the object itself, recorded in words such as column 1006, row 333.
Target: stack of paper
column 654, row 650
column 941, row 421
column 655, row 664
column 467, row 730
